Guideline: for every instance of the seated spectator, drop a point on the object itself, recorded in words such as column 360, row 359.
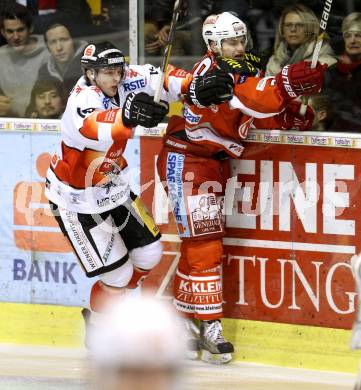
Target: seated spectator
column 343, row 80
column 296, row 38
column 65, row 53
column 47, row 100
column 324, row 111
column 20, row 60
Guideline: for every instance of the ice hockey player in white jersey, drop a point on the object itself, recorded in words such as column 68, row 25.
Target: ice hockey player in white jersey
column 110, row 230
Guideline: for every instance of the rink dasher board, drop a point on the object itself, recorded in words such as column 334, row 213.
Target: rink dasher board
column 292, row 228
column 290, row 137
column 295, row 345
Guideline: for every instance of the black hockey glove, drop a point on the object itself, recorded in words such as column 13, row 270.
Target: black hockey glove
column 259, row 60
column 215, row 87
column 140, row 109
column 242, row 67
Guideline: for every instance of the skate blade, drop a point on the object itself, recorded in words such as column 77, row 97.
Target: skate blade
column 191, row 355
column 355, row 342
column 215, row 358
column 357, row 385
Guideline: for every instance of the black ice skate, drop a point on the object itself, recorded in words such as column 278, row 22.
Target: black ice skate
column 89, row 319
column 214, row 348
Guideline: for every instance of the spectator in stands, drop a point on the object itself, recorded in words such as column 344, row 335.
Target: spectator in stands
column 65, row 53
column 20, row 60
column 295, row 39
column 343, row 81
column 324, row 112
column 76, row 14
column 47, row 100
column 158, row 15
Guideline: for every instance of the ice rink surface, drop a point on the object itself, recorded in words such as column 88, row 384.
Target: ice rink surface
column 42, row 368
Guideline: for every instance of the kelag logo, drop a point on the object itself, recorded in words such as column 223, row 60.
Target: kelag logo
column 35, row 228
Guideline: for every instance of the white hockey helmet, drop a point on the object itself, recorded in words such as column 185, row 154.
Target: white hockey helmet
column 222, row 26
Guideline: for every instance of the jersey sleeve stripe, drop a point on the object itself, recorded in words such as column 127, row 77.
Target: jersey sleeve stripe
column 236, row 103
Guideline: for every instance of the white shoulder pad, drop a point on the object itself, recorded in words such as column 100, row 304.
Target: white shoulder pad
column 88, row 100
column 139, row 78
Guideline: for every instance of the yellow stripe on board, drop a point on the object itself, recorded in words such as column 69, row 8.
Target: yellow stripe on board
column 59, row 326
column 289, row 345
column 255, row 341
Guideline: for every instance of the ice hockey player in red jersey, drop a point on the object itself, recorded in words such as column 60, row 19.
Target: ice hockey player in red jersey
column 192, row 169
column 111, row 232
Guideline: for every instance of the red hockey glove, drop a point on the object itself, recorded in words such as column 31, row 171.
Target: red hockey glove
column 291, row 118
column 299, row 79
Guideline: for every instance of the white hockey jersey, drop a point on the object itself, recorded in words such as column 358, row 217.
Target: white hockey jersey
column 88, row 176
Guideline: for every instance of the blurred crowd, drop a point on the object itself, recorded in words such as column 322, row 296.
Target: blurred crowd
column 42, row 42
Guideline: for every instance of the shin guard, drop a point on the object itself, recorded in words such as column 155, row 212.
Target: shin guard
column 207, row 294
column 182, row 291
column 102, row 295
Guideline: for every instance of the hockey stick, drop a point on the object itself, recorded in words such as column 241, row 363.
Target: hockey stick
column 167, row 50
column 316, row 51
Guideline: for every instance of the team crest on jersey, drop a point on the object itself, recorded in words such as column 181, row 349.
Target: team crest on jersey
column 131, row 73
column 78, row 89
column 97, row 90
column 106, row 102
column 190, row 116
